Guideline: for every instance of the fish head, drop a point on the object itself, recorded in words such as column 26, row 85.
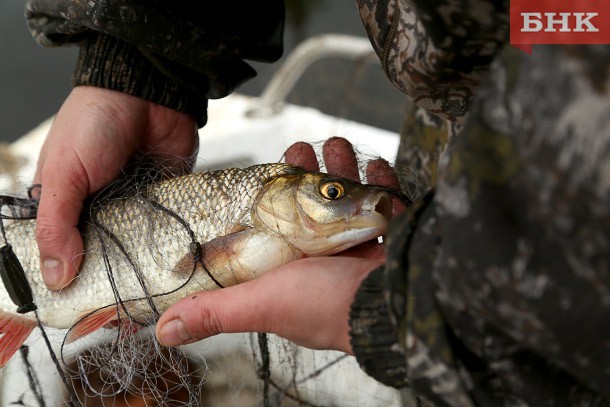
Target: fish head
column 320, row 214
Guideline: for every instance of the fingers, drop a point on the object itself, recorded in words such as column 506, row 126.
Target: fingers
column 340, row 158
column 302, row 154
column 338, row 155
column 83, row 151
column 380, row 172
column 307, row 302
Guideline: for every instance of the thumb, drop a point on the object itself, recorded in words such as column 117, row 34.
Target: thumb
column 205, row 314
column 306, row 301
column 64, row 188
column 90, row 139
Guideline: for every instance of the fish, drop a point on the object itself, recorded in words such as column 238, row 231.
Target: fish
column 145, row 250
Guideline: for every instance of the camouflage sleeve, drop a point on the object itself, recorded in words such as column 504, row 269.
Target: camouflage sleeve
column 177, row 54
column 424, row 137
column 436, row 52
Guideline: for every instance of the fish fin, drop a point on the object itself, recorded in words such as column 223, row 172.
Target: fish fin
column 237, row 257
column 14, row 330
column 185, row 265
column 91, row 322
column 245, row 255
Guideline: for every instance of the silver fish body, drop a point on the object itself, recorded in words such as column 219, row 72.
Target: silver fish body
column 202, row 231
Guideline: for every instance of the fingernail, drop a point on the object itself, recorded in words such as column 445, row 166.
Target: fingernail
column 174, row 333
column 52, row 272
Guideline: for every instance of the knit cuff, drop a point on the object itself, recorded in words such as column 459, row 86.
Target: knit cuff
column 109, row 63
column 374, row 338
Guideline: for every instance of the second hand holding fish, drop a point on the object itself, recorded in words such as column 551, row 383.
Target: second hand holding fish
column 306, row 301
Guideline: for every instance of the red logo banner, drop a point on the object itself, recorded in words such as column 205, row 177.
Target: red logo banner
column 559, row 22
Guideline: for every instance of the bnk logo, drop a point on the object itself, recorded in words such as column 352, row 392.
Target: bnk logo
column 559, row 22
column 567, row 22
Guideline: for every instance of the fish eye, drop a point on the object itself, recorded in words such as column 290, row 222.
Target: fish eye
column 332, row 190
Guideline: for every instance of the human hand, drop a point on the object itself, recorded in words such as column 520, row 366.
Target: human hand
column 94, row 134
column 306, row 301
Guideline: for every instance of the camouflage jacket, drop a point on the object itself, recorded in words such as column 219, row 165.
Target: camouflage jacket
column 496, row 289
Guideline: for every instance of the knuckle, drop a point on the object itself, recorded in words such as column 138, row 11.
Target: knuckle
column 69, row 174
column 46, row 233
column 207, row 322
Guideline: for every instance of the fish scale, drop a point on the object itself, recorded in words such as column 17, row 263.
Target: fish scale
column 247, row 221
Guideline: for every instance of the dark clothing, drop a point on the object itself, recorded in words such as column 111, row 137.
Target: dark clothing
column 175, row 53
column 496, row 288
column 499, row 288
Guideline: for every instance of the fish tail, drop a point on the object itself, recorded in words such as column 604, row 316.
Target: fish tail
column 14, row 330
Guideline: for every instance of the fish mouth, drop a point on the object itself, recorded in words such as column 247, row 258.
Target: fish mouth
column 370, row 222
column 374, row 216
column 375, row 211
column 380, row 204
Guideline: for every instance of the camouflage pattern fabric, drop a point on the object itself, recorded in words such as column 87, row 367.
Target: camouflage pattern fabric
column 436, row 52
column 498, row 289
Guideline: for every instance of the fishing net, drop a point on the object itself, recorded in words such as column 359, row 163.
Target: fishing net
column 137, row 371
